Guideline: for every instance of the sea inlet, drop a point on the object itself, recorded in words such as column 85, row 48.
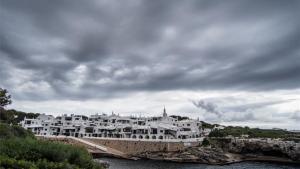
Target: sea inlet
column 151, row 164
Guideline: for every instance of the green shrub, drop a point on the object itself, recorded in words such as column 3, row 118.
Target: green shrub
column 10, row 131
column 14, row 117
column 20, row 149
column 251, row 132
column 205, row 142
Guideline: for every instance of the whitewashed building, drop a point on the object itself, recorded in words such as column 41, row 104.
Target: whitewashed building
column 115, row 126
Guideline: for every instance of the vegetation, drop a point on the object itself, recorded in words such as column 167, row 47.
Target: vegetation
column 15, row 117
column 9, row 132
column 208, row 125
column 251, row 132
column 5, row 98
column 179, row 117
column 205, row 142
column 11, row 116
column 20, row 149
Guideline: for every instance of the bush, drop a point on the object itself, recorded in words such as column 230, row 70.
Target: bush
column 252, row 132
column 19, row 149
column 14, row 117
column 10, row 131
column 205, row 142
column 7, row 162
column 216, row 133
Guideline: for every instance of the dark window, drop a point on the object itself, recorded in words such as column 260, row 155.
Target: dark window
column 154, row 131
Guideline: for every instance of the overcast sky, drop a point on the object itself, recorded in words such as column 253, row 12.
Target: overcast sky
column 235, row 62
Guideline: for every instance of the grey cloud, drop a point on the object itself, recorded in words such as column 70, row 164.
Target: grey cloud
column 149, row 46
column 248, row 111
column 296, row 116
column 257, row 105
column 208, row 107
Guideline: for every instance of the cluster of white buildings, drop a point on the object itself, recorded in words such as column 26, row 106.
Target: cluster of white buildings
column 115, row 126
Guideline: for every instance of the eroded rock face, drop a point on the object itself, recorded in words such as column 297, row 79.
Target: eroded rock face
column 277, row 148
column 233, row 150
column 193, row 154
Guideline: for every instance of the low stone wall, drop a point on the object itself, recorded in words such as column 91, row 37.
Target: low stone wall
column 132, row 147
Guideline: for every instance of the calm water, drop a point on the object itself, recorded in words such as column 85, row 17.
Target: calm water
column 149, row 164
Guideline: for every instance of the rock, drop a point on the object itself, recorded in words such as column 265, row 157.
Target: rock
column 233, row 150
column 276, row 148
column 103, row 163
column 191, row 154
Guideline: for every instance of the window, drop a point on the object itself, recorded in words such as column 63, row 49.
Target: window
column 154, row 131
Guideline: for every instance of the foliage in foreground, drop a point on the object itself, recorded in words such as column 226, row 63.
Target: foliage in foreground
column 20, row 150
column 12, row 131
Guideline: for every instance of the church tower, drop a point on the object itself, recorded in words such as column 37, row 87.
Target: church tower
column 165, row 112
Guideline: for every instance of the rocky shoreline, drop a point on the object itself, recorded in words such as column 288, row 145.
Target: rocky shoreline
column 214, row 158
column 226, row 151
column 223, row 151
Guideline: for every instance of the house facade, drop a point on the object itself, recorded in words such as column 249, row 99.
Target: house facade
column 115, row 126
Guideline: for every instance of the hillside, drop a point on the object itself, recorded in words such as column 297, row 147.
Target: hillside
column 20, row 149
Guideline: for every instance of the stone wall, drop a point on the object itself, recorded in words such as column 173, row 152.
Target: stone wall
column 135, row 146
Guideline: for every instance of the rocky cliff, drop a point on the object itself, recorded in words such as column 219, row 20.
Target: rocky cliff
column 224, row 150
column 266, row 147
column 194, row 154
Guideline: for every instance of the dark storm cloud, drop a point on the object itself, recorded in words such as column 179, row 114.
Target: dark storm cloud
column 87, row 49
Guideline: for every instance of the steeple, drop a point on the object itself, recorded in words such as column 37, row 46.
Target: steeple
column 165, row 112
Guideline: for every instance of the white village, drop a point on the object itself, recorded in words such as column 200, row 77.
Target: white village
column 115, row 126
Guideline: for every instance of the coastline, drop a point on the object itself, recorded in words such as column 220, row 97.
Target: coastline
column 212, row 155
column 268, row 159
column 264, row 159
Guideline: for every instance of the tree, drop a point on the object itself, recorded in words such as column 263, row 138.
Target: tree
column 5, row 98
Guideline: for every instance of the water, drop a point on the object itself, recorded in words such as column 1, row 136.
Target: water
column 150, row 164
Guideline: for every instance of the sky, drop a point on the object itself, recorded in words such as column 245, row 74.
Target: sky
column 233, row 62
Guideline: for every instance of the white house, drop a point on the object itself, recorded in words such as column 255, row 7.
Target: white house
column 115, row 126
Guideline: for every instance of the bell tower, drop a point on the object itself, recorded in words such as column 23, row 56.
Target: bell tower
column 165, row 112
